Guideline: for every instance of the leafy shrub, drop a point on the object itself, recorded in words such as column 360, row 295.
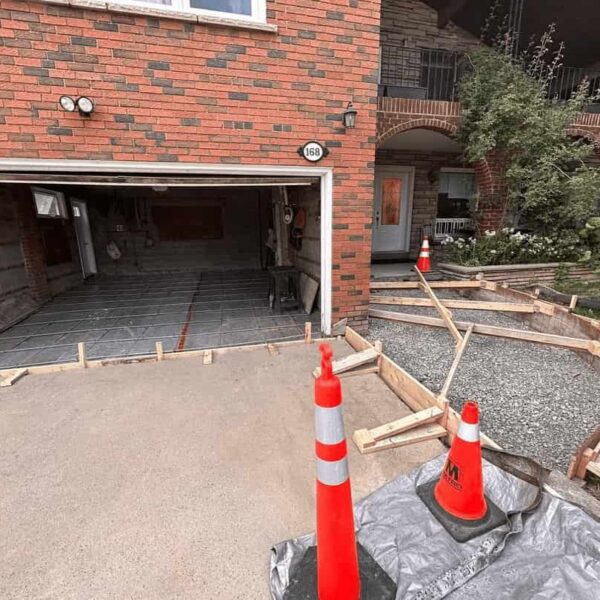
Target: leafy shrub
column 510, row 247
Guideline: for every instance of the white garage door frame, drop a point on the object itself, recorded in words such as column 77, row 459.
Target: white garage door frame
column 154, row 168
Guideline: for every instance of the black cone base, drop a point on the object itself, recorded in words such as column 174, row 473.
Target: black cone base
column 375, row 583
column 461, row 530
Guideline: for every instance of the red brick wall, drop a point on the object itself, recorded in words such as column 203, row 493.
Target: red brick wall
column 168, row 90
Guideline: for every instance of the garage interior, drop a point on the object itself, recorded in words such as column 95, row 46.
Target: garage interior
column 186, row 261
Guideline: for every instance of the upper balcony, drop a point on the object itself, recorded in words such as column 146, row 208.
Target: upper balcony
column 434, row 74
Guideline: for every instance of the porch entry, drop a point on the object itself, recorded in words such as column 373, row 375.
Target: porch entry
column 392, row 210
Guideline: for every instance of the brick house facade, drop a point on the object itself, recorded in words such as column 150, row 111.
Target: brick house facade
column 177, row 89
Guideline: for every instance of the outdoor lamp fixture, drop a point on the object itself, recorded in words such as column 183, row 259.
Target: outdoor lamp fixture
column 83, row 104
column 349, row 116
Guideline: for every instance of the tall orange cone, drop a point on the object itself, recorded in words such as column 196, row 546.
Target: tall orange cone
column 457, row 500
column 337, row 557
column 338, row 568
column 424, row 261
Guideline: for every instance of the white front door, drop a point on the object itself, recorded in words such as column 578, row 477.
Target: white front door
column 392, row 209
column 85, row 241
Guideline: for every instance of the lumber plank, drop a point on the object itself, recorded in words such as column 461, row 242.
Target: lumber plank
column 207, row 357
column 357, row 372
column 351, row 361
column 160, row 354
column 573, row 303
column 421, row 434
column 414, row 285
column 423, row 417
column 457, row 358
column 442, row 310
column 548, row 339
column 13, row 377
column 339, row 328
column 594, row 468
column 461, row 304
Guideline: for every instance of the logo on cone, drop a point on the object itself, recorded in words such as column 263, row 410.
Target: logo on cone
column 457, row 499
column 424, row 262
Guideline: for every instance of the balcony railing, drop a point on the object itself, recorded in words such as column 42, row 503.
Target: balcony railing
column 423, row 73
column 446, row 227
column 434, row 74
column 568, row 80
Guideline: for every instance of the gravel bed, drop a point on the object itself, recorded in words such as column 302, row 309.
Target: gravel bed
column 535, row 400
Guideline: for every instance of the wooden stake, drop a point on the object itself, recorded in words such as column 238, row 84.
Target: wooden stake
column 442, row 310
column 159, row 351
column 573, row 303
column 378, row 345
column 307, row 332
column 81, row 355
column 13, row 377
column 272, row 348
column 457, row 358
column 207, row 358
column 549, row 339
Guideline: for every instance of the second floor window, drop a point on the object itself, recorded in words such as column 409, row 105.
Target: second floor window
column 254, row 10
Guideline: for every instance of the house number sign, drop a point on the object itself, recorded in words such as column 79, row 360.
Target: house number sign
column 313, row 151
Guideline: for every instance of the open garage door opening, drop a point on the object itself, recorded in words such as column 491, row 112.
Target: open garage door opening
column 122, row 263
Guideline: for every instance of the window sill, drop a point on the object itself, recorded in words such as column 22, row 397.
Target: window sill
column 150, row 11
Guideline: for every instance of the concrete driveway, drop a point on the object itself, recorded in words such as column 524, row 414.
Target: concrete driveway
column 173, row 479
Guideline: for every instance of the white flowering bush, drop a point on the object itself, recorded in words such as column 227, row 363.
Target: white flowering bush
column 511, row 247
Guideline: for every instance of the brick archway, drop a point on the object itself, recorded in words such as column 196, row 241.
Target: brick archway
column 444, row 126
column 578, row 132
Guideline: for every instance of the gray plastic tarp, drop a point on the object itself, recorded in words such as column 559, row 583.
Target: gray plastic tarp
column 551, row 553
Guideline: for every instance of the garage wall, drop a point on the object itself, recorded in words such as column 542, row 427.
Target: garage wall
column 308, row 257
column 15, row 297
column 130, row 220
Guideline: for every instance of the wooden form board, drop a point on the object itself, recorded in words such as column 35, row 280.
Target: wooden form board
column 366, row 438
column 413, row 393
column 591, row 346
column 351, row 361
column 461, row 304
column 420, row 434
column 442, row 310
column 414, row 285
column 12, row 377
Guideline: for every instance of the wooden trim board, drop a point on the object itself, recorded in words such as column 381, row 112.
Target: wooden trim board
column 591, row 346
column 13, row 377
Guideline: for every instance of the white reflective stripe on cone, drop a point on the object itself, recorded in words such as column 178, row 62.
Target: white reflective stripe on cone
column 468, row 432
column 424, row 254
column 425, row 244
column 329, row 425
column 332, row 472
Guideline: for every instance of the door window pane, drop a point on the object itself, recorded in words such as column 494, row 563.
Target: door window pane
column 238, row 7
column 391, row 201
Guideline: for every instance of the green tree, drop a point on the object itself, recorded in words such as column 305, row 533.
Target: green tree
column 507, row 108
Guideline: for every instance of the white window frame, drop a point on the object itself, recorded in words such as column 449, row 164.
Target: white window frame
column 61, row 203
column 259, row 9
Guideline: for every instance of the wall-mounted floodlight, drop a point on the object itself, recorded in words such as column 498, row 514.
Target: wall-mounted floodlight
column 83, row 104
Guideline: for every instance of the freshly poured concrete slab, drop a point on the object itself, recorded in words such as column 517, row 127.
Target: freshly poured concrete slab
column 172, row 479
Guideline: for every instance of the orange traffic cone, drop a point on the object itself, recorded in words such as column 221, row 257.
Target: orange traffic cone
column 457, row 500
column 424, row 262
column 339, row 568
column 337, row 558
